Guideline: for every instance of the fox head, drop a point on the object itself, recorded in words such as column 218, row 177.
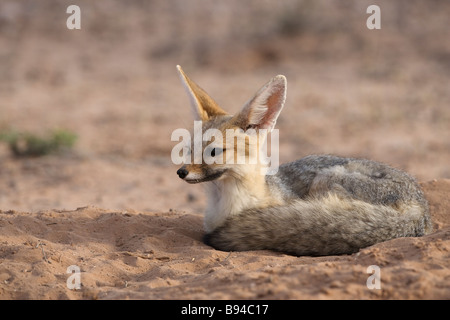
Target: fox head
column 227, row 146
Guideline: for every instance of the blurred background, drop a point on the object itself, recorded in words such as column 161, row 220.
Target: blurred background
column 380, row 94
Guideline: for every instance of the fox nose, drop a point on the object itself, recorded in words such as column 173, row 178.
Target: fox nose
column 182, row 173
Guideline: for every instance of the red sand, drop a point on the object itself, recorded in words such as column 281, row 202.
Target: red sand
column 147, row 255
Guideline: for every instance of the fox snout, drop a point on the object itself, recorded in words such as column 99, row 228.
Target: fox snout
column 182, row 172
column 194, row 174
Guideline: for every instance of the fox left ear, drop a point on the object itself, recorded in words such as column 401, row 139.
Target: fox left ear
column 262, row 111
column 203, row 105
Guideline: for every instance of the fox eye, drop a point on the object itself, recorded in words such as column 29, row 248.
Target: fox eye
column 216, row 151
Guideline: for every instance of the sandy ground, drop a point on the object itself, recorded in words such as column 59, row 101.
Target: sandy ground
column 113, row 205
column 148, row 255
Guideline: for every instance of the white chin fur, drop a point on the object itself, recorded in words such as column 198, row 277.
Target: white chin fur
column 193, row 177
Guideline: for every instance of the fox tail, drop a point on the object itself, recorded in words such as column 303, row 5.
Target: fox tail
column 324, row 226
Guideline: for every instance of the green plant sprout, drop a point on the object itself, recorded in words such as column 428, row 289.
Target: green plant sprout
column 25, row 144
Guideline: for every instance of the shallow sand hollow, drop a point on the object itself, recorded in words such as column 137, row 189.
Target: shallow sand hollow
column 150, row 255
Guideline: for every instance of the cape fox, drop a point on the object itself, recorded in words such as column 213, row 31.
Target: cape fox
column 317, row 205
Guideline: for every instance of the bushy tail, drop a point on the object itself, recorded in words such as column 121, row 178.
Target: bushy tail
column 325, row 226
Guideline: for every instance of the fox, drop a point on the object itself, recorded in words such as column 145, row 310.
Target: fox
column 316, row 206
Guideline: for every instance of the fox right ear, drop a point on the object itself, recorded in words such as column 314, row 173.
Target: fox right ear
column 202, row 104
column 263, row 109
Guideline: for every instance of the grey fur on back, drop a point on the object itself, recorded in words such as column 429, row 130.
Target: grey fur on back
column 333, row 205
column 360, row 179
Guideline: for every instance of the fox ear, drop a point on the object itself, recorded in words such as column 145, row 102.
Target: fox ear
column 202, row 104
column 262, row 111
